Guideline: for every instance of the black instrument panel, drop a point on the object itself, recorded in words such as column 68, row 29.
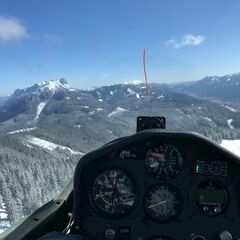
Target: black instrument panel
column 158, row 185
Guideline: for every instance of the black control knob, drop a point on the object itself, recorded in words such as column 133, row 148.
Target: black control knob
column 110, row 234
column 225, row 235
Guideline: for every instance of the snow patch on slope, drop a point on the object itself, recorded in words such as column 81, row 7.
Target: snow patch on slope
column 22, row 130
column 91, row 113
column 49, row 145
column 207, row 118
column 131, row 92
column 215, row 79
column 230, row 123
column 232, row 146
column 40, row 108
column 230, row 108
column 117, row 111
column 160, row 97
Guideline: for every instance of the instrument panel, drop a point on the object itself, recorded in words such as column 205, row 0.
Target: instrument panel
column 158, row 186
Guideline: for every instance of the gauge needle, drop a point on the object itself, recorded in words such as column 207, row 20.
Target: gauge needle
column 157, row 204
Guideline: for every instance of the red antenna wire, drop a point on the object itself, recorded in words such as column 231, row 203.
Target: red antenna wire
column 145, row 74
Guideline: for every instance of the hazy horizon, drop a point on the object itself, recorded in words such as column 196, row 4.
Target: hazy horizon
column 121, row 82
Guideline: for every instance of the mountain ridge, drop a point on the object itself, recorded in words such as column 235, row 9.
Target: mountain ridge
column 54, row 85
column 35, row 99
column 51, row 100
column 226, row 87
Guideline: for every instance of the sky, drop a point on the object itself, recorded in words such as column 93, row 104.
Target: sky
column 100, row 42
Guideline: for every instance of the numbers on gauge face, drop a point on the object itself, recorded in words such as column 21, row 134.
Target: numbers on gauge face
column 164, row 162
column 163, row 202
column 113, row 193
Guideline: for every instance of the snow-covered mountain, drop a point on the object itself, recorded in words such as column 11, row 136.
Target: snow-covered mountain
column 45, row 129
column 56, row 100
column 45, row 97
column 48, row 101
column 224, row 88
column 32, row 100
column 46, row 87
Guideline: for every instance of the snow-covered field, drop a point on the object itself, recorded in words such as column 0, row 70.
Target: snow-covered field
column 232, row 145
column 34, row 141
column 22, row 130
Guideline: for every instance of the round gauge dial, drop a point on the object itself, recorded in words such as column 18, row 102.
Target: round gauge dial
column 218, row 168
column 163, row 202
column 164, row 162
column 113, row 193
column 211, row 197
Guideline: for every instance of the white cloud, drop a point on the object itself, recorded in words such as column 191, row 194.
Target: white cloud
column 186, row 40
column 52, row 38
column 12, row 29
